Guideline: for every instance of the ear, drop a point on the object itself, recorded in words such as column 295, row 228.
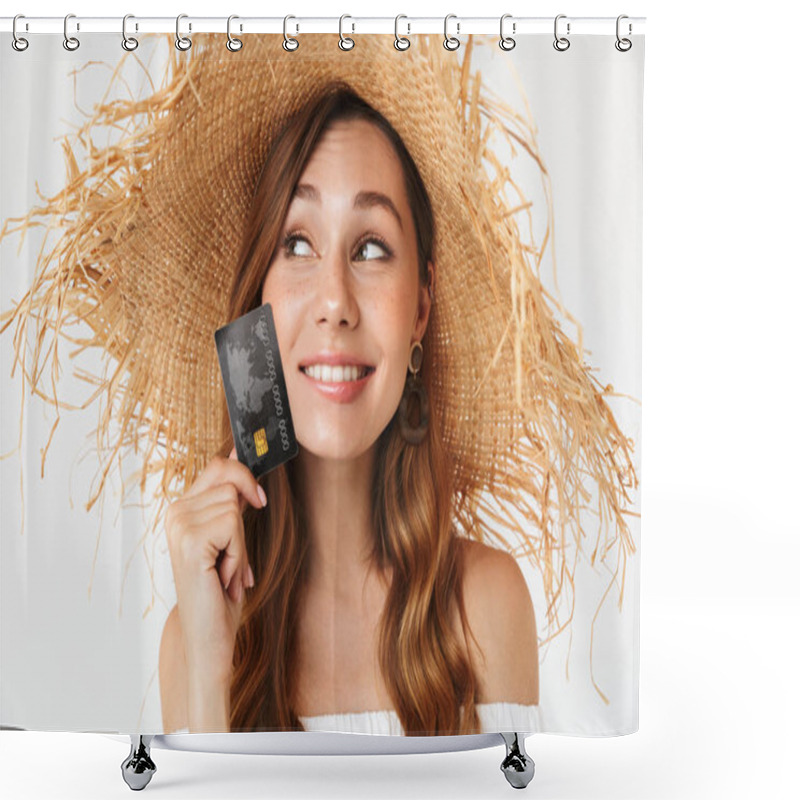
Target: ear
column 424, row 304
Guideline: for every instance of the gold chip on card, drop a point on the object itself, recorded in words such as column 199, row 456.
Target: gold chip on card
column 260, row 437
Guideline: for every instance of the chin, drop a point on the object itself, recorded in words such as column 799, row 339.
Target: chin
column 336, row 447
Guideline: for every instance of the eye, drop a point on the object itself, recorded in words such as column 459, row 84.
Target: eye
column 291, row 240
column 376, row 246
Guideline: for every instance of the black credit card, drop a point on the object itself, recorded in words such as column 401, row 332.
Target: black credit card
column 255, row 390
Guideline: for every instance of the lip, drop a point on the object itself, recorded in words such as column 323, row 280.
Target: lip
column 339, row 391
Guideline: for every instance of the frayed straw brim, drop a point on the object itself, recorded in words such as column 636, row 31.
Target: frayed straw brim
column 153, row 221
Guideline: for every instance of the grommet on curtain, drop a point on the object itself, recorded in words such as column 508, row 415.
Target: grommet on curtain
column 450, row 42
column 406, row 43
column 414, row 434
column 623, row 45
column 19, row 43
column 70, row 42
column 345, row 42
column 506, row 42
column 233, row 44
column 182, row 42
column 561, row 43
column 128, row 42
column 289, row 42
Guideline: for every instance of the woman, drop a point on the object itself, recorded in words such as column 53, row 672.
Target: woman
column 357, row 604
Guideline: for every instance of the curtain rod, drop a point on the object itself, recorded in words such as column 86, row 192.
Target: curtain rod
column 512, row 26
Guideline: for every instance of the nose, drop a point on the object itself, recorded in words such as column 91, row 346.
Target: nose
column 335, row 302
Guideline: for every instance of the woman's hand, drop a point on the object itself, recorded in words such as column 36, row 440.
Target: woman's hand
column 205, row 534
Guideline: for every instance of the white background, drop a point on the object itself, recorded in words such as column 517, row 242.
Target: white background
column 719, row 598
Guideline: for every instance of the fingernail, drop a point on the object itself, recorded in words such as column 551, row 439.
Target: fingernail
column 262, row 494
column 251, row 581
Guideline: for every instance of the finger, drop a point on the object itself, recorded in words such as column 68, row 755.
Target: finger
column 233, row 456
column 240, row 586
column 218, row 540
column 236, row 609
column 235, row 590
column 220, row 470
column 228, row 587
column 216, row 493
column 221, row 493
column 240, row 475
column 209, row 515
column 232, row 563
column 240, row 582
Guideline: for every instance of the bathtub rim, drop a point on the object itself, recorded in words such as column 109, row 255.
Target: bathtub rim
column 316, row 743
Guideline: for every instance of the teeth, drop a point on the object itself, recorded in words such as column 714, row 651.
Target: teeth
column 335, row 374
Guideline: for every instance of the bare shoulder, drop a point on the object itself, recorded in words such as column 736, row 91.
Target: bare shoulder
column 172, row 675
column 501, row 617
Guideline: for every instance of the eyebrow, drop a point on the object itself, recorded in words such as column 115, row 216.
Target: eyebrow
column 307, row 191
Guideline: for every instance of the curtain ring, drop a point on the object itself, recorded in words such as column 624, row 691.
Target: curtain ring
column 506, row 42
column 289, row 42
column 234, row 45
column 561, row 43
column 345, row 42
column 181, row 42
column 450, row 42
column 623, row 45
column 70, row 42
column 406, row 43
column 18, row 42
column 128, row 42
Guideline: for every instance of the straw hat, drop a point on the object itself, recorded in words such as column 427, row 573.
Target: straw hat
column 153, row 222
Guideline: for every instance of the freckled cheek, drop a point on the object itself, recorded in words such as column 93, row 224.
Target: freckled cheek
column 286, row 311
column 392, row 317
column 281, row 290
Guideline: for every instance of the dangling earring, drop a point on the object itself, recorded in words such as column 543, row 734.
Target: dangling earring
column 414, row 385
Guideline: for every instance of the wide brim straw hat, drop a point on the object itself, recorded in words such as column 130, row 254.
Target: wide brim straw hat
column 152, row 221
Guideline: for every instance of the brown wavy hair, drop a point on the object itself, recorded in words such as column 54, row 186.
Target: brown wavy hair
column 428, row 674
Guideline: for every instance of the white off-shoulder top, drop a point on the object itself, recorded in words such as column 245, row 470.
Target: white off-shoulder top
column 498, row 717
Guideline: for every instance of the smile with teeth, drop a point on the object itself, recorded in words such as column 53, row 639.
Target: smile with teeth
column 336, row 374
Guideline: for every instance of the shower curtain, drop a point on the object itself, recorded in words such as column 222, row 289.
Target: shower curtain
column 397, row 289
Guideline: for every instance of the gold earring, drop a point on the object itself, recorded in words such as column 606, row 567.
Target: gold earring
column 414, row 434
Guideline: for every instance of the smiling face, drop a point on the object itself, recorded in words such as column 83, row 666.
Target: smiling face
column 345, row 291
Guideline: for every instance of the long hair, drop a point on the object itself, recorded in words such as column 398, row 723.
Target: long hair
column 429, row 676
